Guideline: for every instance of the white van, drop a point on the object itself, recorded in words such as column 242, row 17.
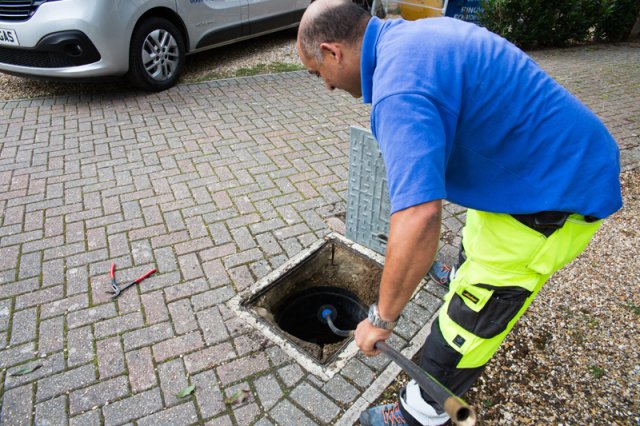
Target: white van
column 145, row 40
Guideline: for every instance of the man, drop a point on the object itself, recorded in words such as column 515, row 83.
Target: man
column 461, row 114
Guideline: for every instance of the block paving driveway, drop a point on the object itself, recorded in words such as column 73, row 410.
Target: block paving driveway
column 215, row 185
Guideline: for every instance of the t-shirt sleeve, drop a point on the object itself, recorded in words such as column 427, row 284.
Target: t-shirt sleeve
column 414, row 134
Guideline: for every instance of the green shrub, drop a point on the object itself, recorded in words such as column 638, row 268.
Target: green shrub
column 539, row 23
column 542, row 23
column 616, row 19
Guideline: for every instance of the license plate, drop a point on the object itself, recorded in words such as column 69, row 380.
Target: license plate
column 8, row 37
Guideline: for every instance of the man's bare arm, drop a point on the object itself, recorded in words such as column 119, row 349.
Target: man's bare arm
column 411, row 248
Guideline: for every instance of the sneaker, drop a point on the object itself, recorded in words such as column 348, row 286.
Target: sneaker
column 441, row 273
column 383, row 415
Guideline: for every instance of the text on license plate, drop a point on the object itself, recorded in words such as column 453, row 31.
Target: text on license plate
column 8, row 37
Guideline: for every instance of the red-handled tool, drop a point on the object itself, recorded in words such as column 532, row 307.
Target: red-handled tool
column 119, row 289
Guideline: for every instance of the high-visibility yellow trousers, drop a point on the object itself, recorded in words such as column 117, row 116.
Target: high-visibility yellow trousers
column 506, row 265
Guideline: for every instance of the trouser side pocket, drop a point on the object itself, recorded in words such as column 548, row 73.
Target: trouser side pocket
column 486, row 310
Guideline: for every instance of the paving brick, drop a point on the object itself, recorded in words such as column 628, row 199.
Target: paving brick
column 251, row 342
column 287, row 414
column 268, row 391
column 177, row 346
column 147, row 336
column 242, row 257
column 173, row 378
column 142, row 253
column 268, row 244
column 358, row 373
column 51, row 335
column 184, row 414
column 15, row 355
column 197, row 227
column 182, row 316
column 17, row 406
column 141, row 370
column 62, row 306
column 23, row 328
column 97, row 395
column 96, row 238
column 166, row 259
column 118, row 325
column 194, row 245
column 243, row 238
column 5, row 312
column 291, row 246
column 212, row 326
column 110, row 357
column 63, row 251
column 78, row 282
column 340, row 389
column 155, row 309
column 190, row 266
column 39, row 297
column 118, row 244
column 314, row 401
column 53, row 272
column 131, row 408
column 237, row 326
column 10, row 289
column 263, row 422
column 242, row 368
column 169, row 239
column 209, row 358
column 277, row 356
column 215, row 273
column 221, row 250
column 65, row 382
column 79, row 346
column 185, row 289
column 52, row 412
column 246, row 414
column 50, row 365
column 220, row 234
column 90, row 418
column 91, row 315
column 208, row 395
column 224, row 420
column 213, row 297
column 241, row 277
column 30, row 265
column 290, row 374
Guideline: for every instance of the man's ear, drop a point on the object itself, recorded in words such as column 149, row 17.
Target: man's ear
column 332, row 49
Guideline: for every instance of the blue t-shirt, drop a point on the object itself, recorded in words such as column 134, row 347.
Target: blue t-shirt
column 462, row 114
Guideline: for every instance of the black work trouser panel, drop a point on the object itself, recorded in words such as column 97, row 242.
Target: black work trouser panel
column 440, row 360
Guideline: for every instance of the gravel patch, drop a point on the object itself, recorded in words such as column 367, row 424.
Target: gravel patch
column 572, row 359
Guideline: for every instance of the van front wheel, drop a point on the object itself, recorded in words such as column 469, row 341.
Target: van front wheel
column 156, row 56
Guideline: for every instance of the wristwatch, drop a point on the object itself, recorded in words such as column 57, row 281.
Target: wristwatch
column 376, row 321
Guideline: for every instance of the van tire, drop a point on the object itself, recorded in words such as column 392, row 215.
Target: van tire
column 156, row 55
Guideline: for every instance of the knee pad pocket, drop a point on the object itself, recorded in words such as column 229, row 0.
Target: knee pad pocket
column 486, row 310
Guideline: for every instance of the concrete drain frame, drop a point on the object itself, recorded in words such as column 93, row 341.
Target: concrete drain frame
column 253, row 305
column 257, row 305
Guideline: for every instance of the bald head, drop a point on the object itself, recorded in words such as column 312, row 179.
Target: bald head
column 331, row 21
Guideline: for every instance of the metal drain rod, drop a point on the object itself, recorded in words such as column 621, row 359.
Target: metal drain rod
column 460, row 412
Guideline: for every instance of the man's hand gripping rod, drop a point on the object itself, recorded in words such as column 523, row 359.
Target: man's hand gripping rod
column 460, row 412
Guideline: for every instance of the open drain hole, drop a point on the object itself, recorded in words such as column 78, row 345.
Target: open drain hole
column 291, row 299
column 300, row 314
